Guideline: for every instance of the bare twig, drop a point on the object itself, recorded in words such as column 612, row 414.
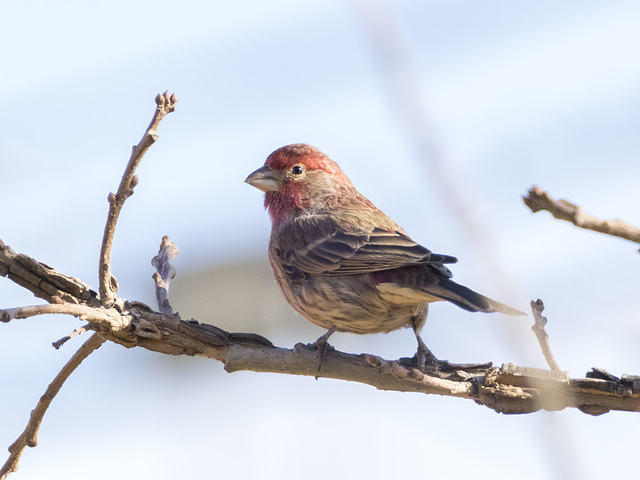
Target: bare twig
column 107, row 318
column 29, row 438
column 537, row 307
column 78, row 331
column 165, row 273
column 537, row 199
column 108, row 285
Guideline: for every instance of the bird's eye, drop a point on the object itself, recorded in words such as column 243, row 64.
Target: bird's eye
column 297, row 170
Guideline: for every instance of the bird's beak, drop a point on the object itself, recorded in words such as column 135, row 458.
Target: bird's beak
column 266, row 179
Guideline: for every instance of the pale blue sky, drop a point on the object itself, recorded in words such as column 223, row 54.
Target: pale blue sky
column 514, row 94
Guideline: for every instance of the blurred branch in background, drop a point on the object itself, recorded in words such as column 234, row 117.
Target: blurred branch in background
column 388, row 44
column 399, row 72
column 390, row 47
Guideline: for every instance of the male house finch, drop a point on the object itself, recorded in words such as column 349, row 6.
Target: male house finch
column 342, row 263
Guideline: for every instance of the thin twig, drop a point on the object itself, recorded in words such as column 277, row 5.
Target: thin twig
column 78, row 331
column 537, row 307
column 29, row 438
column 537, row 199
column 108, row 285
column 165, row 273
column 112, row 319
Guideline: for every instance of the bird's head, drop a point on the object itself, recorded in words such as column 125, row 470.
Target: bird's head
column 300, row 179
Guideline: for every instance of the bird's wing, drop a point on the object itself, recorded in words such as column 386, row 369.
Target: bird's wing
column 329, row 250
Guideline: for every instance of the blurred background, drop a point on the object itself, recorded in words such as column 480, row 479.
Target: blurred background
column 443, row 113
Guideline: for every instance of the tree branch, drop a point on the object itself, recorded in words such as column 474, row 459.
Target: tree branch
column 42, row 280
column 78, row 331
column 106, row 318
column 68, row 295
column 507, row 389
column 29, row 438
column 108, row 285
column 537, row 199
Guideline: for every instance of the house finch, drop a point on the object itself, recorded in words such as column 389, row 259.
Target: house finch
column 342, row 263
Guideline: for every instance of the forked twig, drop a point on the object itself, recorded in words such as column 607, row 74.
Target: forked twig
column 27, row 272
column 108, row 285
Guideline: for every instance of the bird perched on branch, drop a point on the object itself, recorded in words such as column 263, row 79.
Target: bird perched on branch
column 342, row 263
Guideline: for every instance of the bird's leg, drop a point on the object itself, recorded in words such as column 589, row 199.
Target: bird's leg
column 322, row 345
column 423, row 355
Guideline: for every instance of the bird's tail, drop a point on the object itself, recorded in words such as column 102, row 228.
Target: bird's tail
column 472, row 301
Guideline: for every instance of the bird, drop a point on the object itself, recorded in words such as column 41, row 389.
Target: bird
column 342, row 263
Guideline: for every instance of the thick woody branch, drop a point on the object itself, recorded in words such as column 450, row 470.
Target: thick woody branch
column 108, row 285
column 42, row 280
column 537, row 199
column 508, row 389
column 29, row 438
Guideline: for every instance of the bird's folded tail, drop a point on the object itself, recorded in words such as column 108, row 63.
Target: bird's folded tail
column 472, row 301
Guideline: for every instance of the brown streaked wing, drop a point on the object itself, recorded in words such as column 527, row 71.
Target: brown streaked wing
column 340, row 253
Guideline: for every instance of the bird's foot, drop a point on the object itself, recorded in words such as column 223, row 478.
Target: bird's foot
column 322, row 346
column 424, row 357
column 427, row 361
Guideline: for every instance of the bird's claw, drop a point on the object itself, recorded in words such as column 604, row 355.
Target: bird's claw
column 321, row 353
column 426, row 362
column 322, row 346
column 424, row 357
